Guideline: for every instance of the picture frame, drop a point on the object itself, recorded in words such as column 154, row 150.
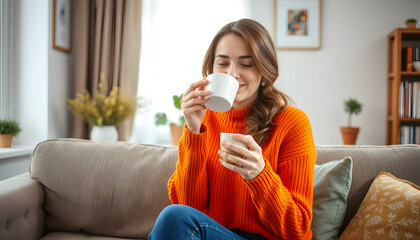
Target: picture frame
column 297, row 24
column 62, row 25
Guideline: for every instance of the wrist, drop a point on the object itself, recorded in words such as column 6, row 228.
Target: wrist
column 195, row 130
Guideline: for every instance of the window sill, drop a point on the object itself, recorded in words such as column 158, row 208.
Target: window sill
column 16, row 151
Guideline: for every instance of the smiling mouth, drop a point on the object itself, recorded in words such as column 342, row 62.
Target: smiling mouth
column 241, row 85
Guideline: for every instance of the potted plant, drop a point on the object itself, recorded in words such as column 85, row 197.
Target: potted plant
column 349, row 133
column 411, row 23
column 8, row 130
column 176, row 127
column 104, row 112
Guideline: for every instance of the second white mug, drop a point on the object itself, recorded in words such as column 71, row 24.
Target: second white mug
column 228, row 137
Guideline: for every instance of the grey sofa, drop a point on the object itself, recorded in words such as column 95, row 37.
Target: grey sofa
column 78, row 189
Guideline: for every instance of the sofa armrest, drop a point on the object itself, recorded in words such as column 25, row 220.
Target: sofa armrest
column 22, row 216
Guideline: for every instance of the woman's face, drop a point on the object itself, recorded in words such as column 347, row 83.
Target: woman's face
column 233, row 57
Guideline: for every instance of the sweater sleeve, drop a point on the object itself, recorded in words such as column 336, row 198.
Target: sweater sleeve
column 283, row 196
column 188, row 185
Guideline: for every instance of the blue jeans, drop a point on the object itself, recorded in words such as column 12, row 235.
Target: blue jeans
column 184, row 222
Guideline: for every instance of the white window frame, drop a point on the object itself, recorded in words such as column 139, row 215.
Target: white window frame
column 5, row 60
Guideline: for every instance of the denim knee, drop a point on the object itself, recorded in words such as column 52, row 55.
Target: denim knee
column 184, row 222
column 173, row 214
column 173, row 221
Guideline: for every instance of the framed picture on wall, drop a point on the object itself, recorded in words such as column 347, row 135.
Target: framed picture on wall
column 297, row 24
column 62, row 25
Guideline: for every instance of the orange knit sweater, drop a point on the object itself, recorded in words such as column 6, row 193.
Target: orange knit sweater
column 277, row 204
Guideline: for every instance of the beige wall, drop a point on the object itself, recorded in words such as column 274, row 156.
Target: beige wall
column 351, row 63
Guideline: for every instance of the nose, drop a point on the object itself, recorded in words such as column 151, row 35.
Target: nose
column 233, row 71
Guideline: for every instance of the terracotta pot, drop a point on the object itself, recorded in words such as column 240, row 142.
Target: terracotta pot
column 6, row 140
column 176, row 133
column 349, row 135
column 411, row 25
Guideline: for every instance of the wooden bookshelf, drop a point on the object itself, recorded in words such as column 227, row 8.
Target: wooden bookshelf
column 399, row 39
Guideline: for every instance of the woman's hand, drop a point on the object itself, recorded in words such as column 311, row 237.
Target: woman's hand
column 192, row 105
column 251, row 165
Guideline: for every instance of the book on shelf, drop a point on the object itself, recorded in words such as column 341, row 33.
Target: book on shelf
column 416, row 53
column 401, row 108
column 407, row 58
column 409, row 101
column 409, row 135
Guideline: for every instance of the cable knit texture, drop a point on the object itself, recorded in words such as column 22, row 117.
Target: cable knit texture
column 277, row 204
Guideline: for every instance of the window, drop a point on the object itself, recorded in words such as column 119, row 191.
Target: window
column 175, row 38
column 4, row 60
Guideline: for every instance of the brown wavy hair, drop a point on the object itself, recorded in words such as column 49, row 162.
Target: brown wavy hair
column 270, row 100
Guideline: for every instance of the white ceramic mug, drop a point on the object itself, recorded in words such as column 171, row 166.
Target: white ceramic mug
column 228, row 137
column 224, row 88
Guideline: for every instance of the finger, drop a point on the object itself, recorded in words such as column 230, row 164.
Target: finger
column 200, row 94
column 193, row 101
column 194, row 109
column 235, row 168
column 248, row 140
column 234, row 160
column 200, row 85
column 236, row 148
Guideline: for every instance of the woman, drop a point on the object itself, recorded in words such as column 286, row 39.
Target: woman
column 268, row 193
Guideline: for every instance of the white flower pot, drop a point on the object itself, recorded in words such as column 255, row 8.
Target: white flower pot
column 104, row 133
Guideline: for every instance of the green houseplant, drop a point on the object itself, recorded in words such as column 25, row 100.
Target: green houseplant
column 351, row 107
column 176, row 127
column 8, row 130
column 411, row 23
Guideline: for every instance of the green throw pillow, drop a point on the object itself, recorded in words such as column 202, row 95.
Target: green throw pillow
column 332, row 182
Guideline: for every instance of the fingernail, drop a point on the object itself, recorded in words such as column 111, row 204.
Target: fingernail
column 207, row 91
column 224, row 144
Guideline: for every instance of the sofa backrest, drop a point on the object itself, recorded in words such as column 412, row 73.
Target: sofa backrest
column 403, row 161
column 119, row 189
column 111, row 189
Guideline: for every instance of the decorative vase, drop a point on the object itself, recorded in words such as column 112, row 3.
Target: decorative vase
column 104, row 133
column 176, row 133
column 416, row 66
column 349, row 135
column 6, row 140
column 411, row 25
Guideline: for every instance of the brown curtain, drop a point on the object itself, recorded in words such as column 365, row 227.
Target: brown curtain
column 106, row 39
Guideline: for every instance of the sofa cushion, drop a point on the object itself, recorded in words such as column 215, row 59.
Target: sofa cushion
column 390, row 210
column 103, row 188
column 332, row 182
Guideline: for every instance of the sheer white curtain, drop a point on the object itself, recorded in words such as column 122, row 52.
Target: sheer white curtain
column 175, row 38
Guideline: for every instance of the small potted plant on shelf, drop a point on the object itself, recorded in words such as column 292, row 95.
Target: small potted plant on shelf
column 411, row 23
column 176, row 127
column 8, row 130
column 349, row 133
